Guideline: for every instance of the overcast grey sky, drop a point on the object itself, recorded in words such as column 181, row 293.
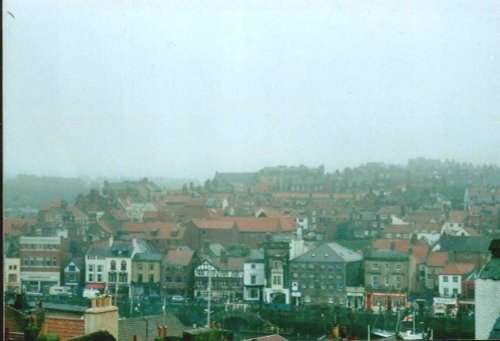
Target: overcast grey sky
column 185, row 88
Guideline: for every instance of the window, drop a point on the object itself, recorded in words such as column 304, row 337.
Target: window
column 123, row 266
column 139, row 266
column 26, row 261
column 12, row 278
column 112, row 277
column 276, row 280
column 253, row 279
column 151, row 278
column 91, row 277
column 91, row 267
column 398, row 282
column 446, row 291
column 113, row 265
column 99, row 268
column 123, row 278
column 139, row 278
column 455, row 279
column 252, row 266
column 386, row 281
column 398, row 266
column 375, row 281
column 467, row 255
column 54, row 261
column 387, row 266
column 375, row 266
column 445, row 278
column 151, row 266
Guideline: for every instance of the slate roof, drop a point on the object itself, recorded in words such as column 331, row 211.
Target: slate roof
column 65, row 328
column 255, row 256
column 148, row 256
column 127, row 328
column 495, row 332
column 329, row 253
column 101, row 335
column 274, row 337
column 491, row 270
column 473, row 244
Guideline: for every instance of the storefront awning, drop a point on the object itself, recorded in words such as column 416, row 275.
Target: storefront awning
column 94, row 285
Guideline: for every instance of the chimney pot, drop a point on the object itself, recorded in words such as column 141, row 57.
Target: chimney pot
column 160, row 331
column 134, row 338
column 93, row 302
column 165, row 333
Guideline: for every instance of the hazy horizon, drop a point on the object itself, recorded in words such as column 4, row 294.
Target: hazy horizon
column 185, row 89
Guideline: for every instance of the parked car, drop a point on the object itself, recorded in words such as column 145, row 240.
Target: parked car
column 90, row 293
column 178, row 299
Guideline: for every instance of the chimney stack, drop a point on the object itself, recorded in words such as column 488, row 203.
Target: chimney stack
column 102, row 315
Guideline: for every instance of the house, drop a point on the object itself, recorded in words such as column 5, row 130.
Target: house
column 225, row 274
column 488, row 293
column 71, row 275
column 65, row 328
column 276, row 270
column 323, row 274
column 254, row 277
column 466, row 249
column 146, row 273
column 387, row 278
column 434, row 266
column 177, row 274
column 223, row 231
column 12, row 274
column 452, row 278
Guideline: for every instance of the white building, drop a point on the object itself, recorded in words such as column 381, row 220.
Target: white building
column 487, row 291
column 450, row 280
column 12, row 275
column 253, row 277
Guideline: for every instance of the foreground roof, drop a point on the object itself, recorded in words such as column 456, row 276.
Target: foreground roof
column 127, row 328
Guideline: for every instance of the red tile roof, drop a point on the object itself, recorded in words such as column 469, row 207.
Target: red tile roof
column 400, row 244
column 398, row 229
column 419, row 252
column 457, row 217
column 437, row 259
column 14, row 226
column 252, row 224
column 76, row 212
column 180, row 257
column 458, row 269
column 65, row 328
column 218, row 224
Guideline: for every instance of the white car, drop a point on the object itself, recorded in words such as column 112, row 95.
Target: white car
column 178, row 299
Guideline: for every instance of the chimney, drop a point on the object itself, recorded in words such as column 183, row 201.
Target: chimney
column 223, row 256
column 165, row 331
column 111, row 241
column 102, row 315
column 134, row 338
column 393, row 245
column 160, row 331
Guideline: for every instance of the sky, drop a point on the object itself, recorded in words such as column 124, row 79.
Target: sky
column 187, row 88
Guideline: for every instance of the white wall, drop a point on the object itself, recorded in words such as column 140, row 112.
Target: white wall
column 487, row 306
column 450, row 285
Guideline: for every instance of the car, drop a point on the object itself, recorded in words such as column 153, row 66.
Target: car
column 178, row 299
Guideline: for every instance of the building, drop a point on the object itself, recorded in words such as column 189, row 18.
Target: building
column 323, row 274
column 434, row 266
column 12, row 275
column 109, row 267
column 146, row 274
column 387, row 278
column 41, row 261
column 254, row 277
column 225, row 275
column 452, row 278
column 71, row 276
column 466, row 249
column 277, row 271
column 177, row 274
column 488, row 293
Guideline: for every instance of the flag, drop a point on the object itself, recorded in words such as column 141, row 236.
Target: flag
column 408, row 318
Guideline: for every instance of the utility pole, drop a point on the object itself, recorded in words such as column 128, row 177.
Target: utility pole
column 209, row 295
